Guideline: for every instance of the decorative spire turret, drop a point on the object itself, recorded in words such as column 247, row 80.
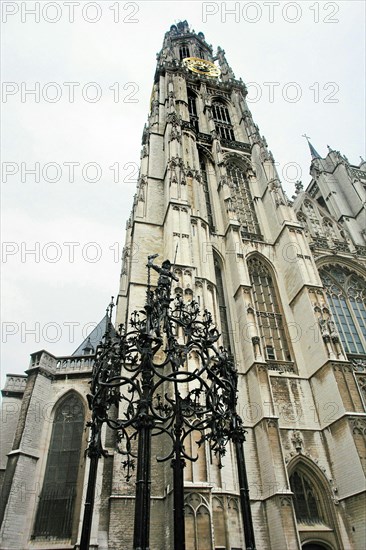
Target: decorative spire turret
column 226, row 70
column 314, row 153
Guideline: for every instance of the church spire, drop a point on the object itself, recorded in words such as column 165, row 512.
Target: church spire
column 314, row 153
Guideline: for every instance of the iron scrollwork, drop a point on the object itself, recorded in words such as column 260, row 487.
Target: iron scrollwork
column 167, row 374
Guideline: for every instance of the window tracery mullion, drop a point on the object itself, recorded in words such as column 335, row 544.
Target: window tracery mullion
column 270, row 320
column 243, row 199
column 222, row 121
column 279, row 330
column 183, row 52
column 346, row 324
column 355, row 297
column 362, row 317
column 56, row 504
column 307, row 503
column 344, row 290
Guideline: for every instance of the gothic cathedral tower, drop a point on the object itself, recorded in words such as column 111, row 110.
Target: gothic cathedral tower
column 209, row 197
column 285, row 283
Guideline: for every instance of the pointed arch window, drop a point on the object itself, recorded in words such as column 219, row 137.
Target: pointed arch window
column 205, row 183
column 56, row 507
column 306, row 499
column 222, row 121
column 268, row 312
column 243, row 201
column 224, row 325
column 346, row 292
column 192, row 109
column 183, row 52
column 198, row 522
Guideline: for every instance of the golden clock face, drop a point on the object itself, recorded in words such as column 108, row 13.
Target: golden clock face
column 201, row 66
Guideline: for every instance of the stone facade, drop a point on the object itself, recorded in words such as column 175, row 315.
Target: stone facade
column 285, row 282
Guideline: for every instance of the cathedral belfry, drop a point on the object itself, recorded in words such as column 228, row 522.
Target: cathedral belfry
column 286, row 285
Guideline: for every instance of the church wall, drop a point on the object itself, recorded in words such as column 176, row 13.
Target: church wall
column 12, row 396
column 342, row 449
column 354, row 512
column 26, row 452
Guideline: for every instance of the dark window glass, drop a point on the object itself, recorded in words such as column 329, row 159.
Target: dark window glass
column 192, row 109
column 201, row 54
column 183, row 52
column 206, row 191
column 222, row 307
column 222, row 121
column 306, row 500
column 57, row 500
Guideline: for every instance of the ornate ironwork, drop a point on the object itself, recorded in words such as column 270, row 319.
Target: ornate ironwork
column 168, row 375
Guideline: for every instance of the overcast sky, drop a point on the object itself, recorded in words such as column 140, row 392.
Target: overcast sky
column 311, row 52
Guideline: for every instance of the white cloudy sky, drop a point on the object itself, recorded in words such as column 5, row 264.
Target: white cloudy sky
column 318, row 45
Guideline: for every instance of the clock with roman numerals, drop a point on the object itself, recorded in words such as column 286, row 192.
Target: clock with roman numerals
column 201, row 66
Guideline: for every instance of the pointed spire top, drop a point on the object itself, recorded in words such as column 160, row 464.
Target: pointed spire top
column 313, row 151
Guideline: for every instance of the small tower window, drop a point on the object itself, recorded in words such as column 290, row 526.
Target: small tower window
column 222, row 121
column 183, row 52
column 221, row 113
column 192, row 109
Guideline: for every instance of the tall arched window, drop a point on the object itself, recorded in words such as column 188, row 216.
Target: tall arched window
column 205, row 184
column 314, row 507
column 222, row 121
column 183, row 52
column 55, row 513
column 192, row 109
column 346, row 293
column 268, row 312
column 306, row 499
column 224, row 325
column 243, row 200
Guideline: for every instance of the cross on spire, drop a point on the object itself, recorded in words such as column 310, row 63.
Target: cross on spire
column 313, row 151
